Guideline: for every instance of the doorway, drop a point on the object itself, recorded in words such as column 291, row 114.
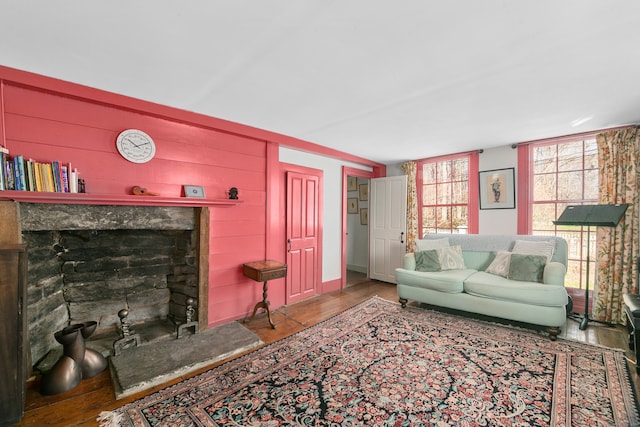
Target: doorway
column 355, row 242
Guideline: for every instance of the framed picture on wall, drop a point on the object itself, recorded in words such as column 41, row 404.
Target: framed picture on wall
column 364, row 192
column 364, row 216
column 352, row 205
column 352, row 183
column 497, row 189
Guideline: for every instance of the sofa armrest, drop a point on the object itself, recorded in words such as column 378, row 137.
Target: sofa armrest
column 409, row 261
column 554, row 273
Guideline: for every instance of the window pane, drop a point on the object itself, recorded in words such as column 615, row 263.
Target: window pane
column 544, row 187
column 444, row 171
column 429, row 194
column 460, row 219
column 591, row 191
column 460, row 192
column 444, row 193
column 570, row 186
column 429, row 173
column 460, row 170
column 590, row 154
column 444, row 218
column 543, row 215
column 570, row 156
column 544, row 159
column 428, row 217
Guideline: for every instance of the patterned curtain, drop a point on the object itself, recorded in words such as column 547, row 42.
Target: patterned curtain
column 617, row 247
column 410, row 169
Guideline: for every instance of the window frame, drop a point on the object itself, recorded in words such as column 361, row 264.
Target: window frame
column 526, row 177
column 472, row 186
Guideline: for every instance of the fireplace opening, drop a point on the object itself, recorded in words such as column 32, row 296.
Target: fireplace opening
column 143, row 259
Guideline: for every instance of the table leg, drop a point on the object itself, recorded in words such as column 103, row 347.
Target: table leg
column 264, row 304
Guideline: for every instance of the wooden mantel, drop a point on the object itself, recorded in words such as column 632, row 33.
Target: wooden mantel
column 110, row 199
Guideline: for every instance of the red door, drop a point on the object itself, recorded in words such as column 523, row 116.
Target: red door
column 303, row 255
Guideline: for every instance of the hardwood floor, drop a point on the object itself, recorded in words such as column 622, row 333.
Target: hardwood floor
column 82, row 405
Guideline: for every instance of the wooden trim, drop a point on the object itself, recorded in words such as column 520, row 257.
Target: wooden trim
column 111, row 199
column 203, row 218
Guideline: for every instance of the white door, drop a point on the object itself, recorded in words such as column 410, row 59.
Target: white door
column 387, row 226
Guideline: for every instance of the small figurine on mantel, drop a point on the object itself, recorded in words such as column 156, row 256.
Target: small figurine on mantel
column 233, row 193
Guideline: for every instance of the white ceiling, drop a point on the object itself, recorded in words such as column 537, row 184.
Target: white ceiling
column 387, row 80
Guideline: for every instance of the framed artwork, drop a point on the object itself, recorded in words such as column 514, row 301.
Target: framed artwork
column 193, row 191
column 352, row 205
column 364, row 192
column 364, row 216
column 352, row 183
column 497, row 189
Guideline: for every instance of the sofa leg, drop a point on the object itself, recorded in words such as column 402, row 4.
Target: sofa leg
column 403, row 302
column 553, row 333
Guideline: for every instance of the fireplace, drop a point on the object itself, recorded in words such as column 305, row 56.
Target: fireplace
column 88, row 262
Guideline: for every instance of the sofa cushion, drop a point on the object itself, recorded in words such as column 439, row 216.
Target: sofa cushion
column 491, row 286
column 451, row 258
column 527, row 268
column 427, row 261
column 542, row 247
column 500, row 264
column 450, row 281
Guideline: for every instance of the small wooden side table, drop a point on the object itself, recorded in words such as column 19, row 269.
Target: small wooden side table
column 263, row 271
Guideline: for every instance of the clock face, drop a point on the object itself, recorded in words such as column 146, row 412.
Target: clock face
column 136, row 146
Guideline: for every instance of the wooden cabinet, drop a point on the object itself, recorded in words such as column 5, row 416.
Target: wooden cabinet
column 13, row 332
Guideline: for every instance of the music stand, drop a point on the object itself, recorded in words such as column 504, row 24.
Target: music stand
column 591, row 215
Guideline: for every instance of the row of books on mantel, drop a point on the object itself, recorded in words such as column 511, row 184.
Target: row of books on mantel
column 23, row 174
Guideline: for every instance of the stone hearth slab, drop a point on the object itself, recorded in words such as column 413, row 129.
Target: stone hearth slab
column 141, row 368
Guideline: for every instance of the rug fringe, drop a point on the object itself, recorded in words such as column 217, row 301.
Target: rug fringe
column 110, row 419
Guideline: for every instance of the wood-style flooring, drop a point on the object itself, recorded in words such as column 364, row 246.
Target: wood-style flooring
column 82, row 405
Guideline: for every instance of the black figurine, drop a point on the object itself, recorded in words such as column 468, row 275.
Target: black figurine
column 233, row 193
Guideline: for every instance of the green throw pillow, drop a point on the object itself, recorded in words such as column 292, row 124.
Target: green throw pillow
column 427, row 261
column 527, row 268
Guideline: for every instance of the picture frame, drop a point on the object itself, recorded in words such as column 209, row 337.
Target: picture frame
column 352, row 205
column 363, row 192
column 352, row 183
column 364, row 216
column 497, row 189
column 193, row 191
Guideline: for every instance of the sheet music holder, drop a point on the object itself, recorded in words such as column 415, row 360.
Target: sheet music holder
column 591, row 215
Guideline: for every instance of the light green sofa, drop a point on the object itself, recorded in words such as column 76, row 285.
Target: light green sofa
column 474, row 290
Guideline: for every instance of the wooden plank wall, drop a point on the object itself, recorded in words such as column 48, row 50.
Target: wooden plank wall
column 47, row 126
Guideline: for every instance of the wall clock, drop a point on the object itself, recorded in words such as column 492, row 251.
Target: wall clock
column 136, row 146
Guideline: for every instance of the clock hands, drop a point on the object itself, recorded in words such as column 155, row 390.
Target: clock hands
column 136, row 145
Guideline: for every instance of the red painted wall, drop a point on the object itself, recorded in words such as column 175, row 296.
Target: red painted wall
column 48, row 119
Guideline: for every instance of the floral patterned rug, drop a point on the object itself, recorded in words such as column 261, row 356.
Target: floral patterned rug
column 379, row 364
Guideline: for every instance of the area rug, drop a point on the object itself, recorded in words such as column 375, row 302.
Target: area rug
column 379, row 364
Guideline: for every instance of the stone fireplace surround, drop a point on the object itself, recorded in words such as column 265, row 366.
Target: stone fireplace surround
column 87, row 262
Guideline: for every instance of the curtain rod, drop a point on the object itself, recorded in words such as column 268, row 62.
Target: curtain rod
column 573, row 136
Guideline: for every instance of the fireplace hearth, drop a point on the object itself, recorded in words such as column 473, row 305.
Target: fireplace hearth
column 88, row 262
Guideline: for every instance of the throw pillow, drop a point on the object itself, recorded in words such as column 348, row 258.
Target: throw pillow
column 428, row 244
column 427, row 261
column 527, row 268
column 535, row 247
column 500, row 264
column 451, row 258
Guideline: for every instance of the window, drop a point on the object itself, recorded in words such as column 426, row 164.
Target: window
column 561, row 173
column 447, row 194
